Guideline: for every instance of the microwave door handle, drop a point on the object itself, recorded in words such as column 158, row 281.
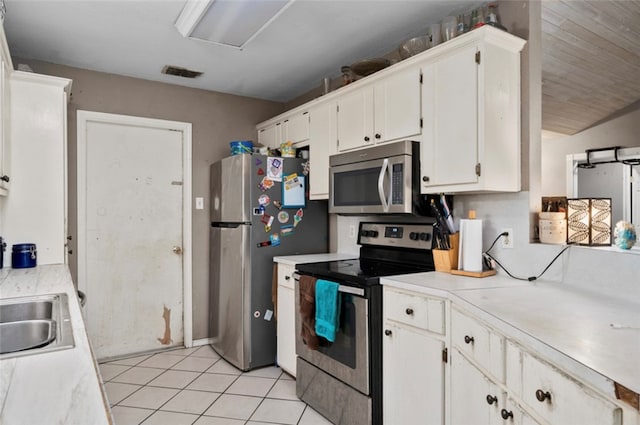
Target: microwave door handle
column 384, row 200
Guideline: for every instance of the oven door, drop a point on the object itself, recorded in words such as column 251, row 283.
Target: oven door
column 347, row 358
column 380, row 186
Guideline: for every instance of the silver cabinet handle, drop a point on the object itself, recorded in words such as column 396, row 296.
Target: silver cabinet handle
column 177, row 250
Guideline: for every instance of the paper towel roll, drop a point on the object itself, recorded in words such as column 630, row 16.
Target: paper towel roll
column 470, row 254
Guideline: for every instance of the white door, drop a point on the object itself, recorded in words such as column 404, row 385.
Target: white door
column 131, row 241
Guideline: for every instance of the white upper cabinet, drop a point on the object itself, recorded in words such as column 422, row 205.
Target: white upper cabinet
column 471, row 111
column 270, row 136
column 6, row 68
column 296, row 128
column 355, row 119
column 460, row 100
column 397, row 106
column 386, row 110
column 36, row 208
column 322, row 144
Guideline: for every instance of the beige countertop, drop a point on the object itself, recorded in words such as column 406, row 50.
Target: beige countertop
column 292, row 260
column 62, row 386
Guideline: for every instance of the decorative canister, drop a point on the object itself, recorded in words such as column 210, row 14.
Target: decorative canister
column 553, row 227
column 24, row 255
column 241, row 146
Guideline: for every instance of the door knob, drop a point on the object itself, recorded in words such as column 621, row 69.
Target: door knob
column 177, row 250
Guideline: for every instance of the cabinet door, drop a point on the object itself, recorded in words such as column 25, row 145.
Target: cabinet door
column 296, row 128
column 413, row 377
column 397, row 106
column 475, row 399
column 449, row 151
column 285, row 320
column 5, row 119
column 560, row 399
column 355, row 119
column 478, row 342
column 270, row 136
column 322, row 144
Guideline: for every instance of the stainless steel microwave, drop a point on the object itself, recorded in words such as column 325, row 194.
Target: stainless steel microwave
column 378, row 180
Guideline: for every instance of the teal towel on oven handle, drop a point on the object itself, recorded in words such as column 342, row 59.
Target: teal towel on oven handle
column 327, row 309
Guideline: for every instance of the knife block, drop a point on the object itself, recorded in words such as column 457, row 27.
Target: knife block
column 446, row 260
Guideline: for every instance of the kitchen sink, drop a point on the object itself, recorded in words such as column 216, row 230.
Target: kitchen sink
column 28, row 310
column 26, row 334
column 32, row 325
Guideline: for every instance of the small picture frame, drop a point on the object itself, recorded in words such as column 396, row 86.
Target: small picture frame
column 293, row 191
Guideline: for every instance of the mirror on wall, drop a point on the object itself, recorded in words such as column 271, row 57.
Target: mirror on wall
column 590, row 98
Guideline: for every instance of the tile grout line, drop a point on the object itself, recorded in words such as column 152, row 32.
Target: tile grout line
column 275, row 379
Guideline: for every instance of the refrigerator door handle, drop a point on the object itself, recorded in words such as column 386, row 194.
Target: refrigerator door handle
column 227, row 225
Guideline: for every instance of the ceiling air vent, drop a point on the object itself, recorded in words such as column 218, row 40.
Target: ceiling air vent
column 180, row 72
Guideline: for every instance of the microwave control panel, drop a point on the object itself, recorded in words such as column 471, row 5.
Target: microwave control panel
column 397, row 184
column 401, row 235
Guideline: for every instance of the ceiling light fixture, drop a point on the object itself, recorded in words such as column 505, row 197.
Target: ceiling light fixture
column 232, row 23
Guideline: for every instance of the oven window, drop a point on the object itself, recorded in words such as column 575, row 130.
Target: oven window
column 358, row 187
column 344, row 348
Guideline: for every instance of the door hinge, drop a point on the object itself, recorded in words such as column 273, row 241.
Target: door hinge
column 337, row 108
column 478, row 169
column 421, row 78
column 478, row 57
column 445, row 355
column 420, row 122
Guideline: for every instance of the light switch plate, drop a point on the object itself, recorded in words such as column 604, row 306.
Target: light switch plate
column 199, row 203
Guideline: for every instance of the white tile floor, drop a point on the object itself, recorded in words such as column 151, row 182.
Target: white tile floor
column 194, row 386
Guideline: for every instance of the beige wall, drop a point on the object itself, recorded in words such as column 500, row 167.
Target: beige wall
column 217, row 119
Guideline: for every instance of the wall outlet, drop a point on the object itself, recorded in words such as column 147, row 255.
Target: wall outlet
column 507, row 241
column 199, row 203
column 352, row 231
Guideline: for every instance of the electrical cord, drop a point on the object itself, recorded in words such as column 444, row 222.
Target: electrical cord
column 530, row 278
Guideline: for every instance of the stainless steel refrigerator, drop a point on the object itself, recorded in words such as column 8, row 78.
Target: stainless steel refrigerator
column 255, row 217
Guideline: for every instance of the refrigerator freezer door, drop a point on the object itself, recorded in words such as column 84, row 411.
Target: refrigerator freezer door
column 230, row 189
column 230, row 294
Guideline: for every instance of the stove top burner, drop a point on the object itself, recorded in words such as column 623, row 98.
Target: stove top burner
column 361, row 271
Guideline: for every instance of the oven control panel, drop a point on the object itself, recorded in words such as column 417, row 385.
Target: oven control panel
column 402, row 235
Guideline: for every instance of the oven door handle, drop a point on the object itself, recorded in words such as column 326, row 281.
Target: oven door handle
column 384, row 200
column 341, row 288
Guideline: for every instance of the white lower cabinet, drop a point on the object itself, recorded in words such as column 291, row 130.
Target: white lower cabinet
column 560, row 399
column 285, row 320
column 476, row 399
column 528, row 390
column 413, row 371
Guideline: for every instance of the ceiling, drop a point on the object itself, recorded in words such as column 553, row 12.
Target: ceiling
column 590, row 61
column 590, row 69
column 309, row 40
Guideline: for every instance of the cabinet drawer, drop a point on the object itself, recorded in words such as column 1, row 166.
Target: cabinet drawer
column 560, row 399
column 419, row 311
column 285, row 275
column 479, row 342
